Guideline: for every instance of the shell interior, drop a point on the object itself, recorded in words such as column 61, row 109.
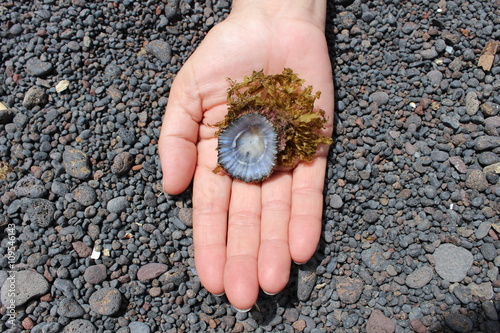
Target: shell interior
column 248, row 147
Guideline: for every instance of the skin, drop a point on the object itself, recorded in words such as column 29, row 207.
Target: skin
column 246, row 235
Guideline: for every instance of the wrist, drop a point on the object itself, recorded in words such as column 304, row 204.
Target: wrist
column 312, row 11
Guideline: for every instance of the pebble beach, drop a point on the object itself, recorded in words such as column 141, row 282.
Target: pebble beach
column 411, row 222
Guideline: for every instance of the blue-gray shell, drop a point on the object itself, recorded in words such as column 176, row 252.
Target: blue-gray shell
column 247, row 148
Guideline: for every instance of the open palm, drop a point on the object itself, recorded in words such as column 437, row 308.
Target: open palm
column 245, row 235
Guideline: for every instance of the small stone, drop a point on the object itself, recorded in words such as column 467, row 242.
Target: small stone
column 477, row 181
column 487, row 142
column 471, row 103
column 482, row 230
column 306, row 280
column 106, row 301
column 409, row 27
column 27, row 323
column 151, row 271
column 186, row 216
column 370, row 216
column 488, row 251
column 349, row 289
column 419, row 277
column 175, row 276
column 95, row 274
column 35, row 96
column 435, row 77
column 122, row 163
column 117, row 205
column 51, row 327
column 483, row 291
column 452, row 262
column 417, row 326
column 81, row 249
column 336, row 201
column 458, row 322
column 38, row 68
column 379, row 323
column 374, row 258
column 41, row 212
column 138, row 327
column 429, row 53
column 27, row 284
column 299, row 325
column 85, row 195
column 439, row 156
column 489, row 310
column 6, row 116
column 80, row 326
column 70, row 308
column 458, row 163
column 76, row 163
column 379, row 97
column 160, row 49
column 31, row 187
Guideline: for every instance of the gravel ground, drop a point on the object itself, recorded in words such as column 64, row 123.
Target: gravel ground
column 412, row 198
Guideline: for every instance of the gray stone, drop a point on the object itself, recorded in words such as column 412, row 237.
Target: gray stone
column 420, row 277
column 117, row 205
column 306, row 280
column 488, row 251
column 76, row 163
column 160, row 49
column 24, row 285
column 38, row 68
column 31, row 187
column 80, row 326
column 452, row 262
column 41, row 212
column 336, row 201
column 435, row 77
column 471, row 103
column 486, row 142
column 477, row 181
column 95, row 274
column 429, row 53
column 374, row 258
column 70, row 308
column 348, row 289
column 138, row 327
column 85, row 195
column 370, row 216
column 35, row 96
column 106, row 301
column 51, row 327
column 122, row 163
column 459, row 322
column 379, row 97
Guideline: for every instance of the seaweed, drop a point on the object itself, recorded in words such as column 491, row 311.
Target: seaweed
column 288, row 105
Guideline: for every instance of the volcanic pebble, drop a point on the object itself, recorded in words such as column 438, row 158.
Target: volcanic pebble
column 85, row 195
column 349, row 289
column 37, row 67
column 419, row 277
column 70, row 308
column 459, row 322
column 76, row 163
column 41, row 212
column 374, row 259
column 95, row 274
column 80, row 326
column 452, row 262
column 27, row 284
column 106, row 301
column 379, row 323
column 117, row 205
column 35, row 96
column 151, row 271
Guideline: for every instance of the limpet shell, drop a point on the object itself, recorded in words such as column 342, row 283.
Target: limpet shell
column 247, row 148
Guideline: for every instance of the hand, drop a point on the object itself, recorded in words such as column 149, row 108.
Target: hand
column 246, row 235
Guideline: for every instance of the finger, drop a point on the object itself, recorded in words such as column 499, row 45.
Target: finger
column 179, row 133
column 211, row 194
column 274, row 254
column 240, row 278
column 307, row 209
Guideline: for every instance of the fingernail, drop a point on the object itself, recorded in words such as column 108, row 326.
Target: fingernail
column 242, row 311
column 299, row 263
column 219, row 295
column 270, row 294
